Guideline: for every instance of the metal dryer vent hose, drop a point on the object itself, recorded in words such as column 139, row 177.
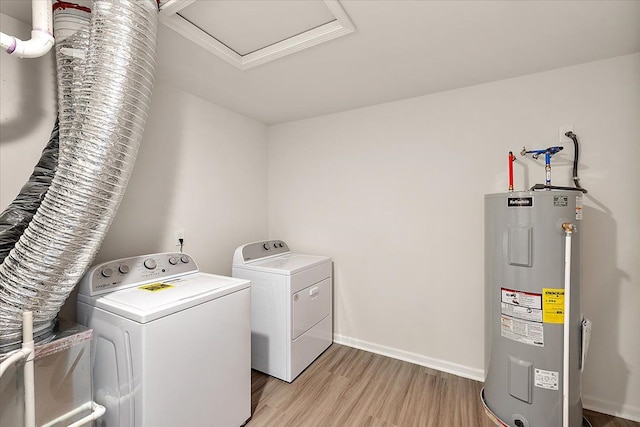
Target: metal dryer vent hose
column 105, row 79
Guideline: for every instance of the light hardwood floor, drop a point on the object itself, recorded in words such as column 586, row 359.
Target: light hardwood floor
column 347, row 387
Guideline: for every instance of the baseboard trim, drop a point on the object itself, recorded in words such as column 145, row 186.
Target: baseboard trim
column 625, row 411
column 418, row 359
column 588, row 402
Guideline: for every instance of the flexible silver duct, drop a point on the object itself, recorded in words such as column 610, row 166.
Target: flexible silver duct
column 16, row 217
column 103, row 106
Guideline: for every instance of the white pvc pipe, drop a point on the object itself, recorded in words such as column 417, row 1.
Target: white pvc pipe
column 568, row 228
column 96, row 412
column 15, row 357
column 41, row 34
column 29, row 379
column 26, row 352
column 72, row 413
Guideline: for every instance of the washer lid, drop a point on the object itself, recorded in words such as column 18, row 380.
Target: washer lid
column 152, row 301
column 286, row 264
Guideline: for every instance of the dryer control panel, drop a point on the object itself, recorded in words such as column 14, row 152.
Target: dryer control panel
column 259, row 250
column 135, row 271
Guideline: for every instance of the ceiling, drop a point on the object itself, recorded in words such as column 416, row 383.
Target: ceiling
column 277, row 27
column 400, row 49
column 222, row 19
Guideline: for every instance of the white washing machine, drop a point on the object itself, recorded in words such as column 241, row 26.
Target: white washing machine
column 171, row 345
column 291, row 306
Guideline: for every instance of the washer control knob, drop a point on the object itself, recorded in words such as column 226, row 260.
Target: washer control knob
column 185, row 259
column 150, row 263
column 173, row 260
column 124, row 269
column 266, row 246
column 107, row 272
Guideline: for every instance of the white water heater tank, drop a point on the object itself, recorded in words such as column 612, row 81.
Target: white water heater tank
column 524, row 308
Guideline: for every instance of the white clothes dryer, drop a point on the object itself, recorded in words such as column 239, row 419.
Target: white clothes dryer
column 171, row 345
column 291, row 306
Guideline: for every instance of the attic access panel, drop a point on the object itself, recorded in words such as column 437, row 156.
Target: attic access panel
column 250, row 33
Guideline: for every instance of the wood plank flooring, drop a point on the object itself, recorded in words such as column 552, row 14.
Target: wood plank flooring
column 347, row 387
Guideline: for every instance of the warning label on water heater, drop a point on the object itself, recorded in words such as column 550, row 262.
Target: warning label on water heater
column 521, row 305
column 531, row 333
column 579, row 207
column 521, row 317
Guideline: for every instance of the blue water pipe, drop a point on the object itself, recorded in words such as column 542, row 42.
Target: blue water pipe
column 548, row 152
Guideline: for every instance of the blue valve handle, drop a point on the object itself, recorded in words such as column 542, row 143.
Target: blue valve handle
column 548, row 152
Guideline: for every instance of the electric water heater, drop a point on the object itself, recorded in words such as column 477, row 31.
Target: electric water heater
column 532, row 253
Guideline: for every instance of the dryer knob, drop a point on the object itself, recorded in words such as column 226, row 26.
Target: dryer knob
column 266, row 246
column 150, row 263
column 124, row 269
column 185, row 259
column 173, row 260
column 107, row 272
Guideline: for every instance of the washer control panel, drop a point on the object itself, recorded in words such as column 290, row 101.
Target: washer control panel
column 258, row 250
column 135, row 271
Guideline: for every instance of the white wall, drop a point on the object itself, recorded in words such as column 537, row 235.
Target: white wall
column 201, row 169
column 394, row 193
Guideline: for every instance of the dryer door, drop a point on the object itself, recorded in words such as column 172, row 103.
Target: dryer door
column 310, row 306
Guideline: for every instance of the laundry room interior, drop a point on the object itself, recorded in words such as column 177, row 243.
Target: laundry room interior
column 375, row 147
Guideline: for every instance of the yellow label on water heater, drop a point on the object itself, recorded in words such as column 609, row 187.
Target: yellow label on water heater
column 552, row 305
column 155, row 287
